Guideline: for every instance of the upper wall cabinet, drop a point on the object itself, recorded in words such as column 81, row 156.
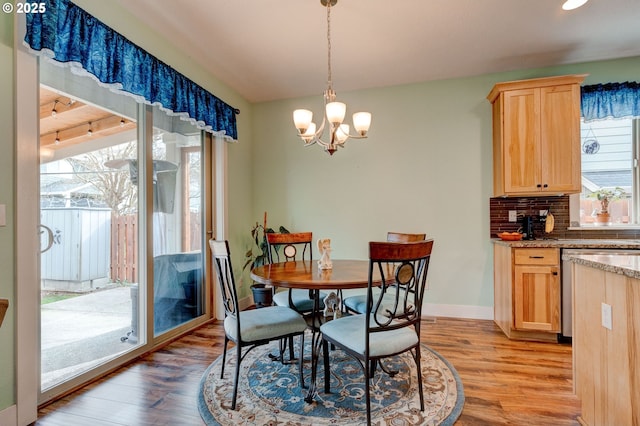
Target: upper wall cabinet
column 536, row 136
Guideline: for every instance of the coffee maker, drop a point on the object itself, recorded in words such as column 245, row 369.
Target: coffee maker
column 527, row 228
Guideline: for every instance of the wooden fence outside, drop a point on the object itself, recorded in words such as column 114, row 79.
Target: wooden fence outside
column 124, row 248
column 124, row 245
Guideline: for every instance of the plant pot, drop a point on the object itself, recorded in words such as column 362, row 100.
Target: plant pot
column 262, row 295
column 603, row 219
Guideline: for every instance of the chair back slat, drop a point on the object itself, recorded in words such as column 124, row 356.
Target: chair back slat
column 399, row 237
column 409, row 263
column 224, row 271
column 289, row 246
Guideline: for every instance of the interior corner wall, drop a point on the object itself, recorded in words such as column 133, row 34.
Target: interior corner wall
column 426, row 167
column 7, row 192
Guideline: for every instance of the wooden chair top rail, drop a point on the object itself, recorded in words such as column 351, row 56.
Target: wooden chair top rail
column 396, row 252
column 291, row 238
column 400, row 237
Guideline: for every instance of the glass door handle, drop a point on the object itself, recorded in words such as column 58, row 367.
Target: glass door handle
column 49, row 235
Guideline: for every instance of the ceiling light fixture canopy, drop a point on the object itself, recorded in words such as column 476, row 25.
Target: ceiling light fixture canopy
column 334, row 112
column 573, row 4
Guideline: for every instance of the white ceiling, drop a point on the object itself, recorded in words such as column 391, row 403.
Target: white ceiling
column 269, row 50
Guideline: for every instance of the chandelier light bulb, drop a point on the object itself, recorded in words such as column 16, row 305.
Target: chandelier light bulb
column 342, row 133
column 57, row 141
column 310, row 133
column 122, row 122
column 336, row 112
column 573, row 4
column 302, row 119
column 362, row 122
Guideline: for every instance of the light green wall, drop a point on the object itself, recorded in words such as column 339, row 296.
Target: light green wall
column 7, row 260
column 426, row 167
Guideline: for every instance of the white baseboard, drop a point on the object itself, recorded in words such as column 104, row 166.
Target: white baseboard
column 9, row 416
column 458, row 311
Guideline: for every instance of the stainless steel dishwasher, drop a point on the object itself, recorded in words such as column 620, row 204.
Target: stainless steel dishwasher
column 567, row 326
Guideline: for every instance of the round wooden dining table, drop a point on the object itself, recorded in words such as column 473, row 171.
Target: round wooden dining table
column 303, row 274
column 345, row 274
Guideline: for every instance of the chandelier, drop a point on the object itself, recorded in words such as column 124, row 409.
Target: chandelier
column 334, row 112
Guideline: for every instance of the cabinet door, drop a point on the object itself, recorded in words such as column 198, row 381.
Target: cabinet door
column 536, row 298
column 560, row 138
column 521, row 140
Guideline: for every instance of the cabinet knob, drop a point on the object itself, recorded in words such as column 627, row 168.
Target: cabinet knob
column 545, row 185
column 538, row 186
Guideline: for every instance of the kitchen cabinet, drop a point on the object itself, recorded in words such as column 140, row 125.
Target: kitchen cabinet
column 527, row 292
column 536, row 136
column 606, row 347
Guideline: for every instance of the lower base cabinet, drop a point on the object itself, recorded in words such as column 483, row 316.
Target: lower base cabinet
column 527, row 292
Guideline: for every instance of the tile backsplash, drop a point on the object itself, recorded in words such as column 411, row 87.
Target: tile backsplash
column 558, row 206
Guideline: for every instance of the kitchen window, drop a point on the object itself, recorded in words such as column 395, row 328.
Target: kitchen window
column 610, row 150
column 610, row 162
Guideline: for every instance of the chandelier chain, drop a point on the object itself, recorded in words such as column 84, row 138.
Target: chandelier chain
column 329, row 79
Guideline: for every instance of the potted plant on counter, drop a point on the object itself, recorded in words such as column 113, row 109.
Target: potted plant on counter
column 606, row 196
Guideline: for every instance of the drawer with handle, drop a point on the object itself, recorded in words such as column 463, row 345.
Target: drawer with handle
column 536, row 256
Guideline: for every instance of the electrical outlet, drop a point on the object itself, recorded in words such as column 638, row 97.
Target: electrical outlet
column 606, row 316
column 513, row 215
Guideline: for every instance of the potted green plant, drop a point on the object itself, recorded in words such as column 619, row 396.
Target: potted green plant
column 606, row 196
column 257, row 255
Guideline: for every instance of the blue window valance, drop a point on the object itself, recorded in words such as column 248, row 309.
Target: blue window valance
column 610, row 100
column 71, row 36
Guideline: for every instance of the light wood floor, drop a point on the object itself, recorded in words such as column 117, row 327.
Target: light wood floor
column 505, row 382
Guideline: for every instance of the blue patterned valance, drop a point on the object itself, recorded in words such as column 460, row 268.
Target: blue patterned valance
column 71, row 36
column 611, row 100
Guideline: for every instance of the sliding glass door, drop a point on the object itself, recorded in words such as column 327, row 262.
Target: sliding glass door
column 178, row 279
column 122, row 229
column 89, row 241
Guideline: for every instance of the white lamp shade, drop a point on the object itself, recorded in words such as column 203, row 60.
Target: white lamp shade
column 302, row 119
column 362, row 122
column 573, row 4
column 335, row 112
column 310, row 133
column 342, row 133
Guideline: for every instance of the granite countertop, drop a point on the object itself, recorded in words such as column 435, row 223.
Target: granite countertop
column 623, row 264
column 572, row 243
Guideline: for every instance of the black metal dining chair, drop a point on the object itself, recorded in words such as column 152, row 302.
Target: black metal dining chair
column 355, row 301
column 252, row 328
column 387, row 329
column 282, row 247
column 285, row 247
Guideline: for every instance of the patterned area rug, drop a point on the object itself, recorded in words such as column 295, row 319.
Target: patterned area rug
column 269, row 392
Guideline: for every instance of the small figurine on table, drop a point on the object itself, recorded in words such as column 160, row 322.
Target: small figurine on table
column 324, row 246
